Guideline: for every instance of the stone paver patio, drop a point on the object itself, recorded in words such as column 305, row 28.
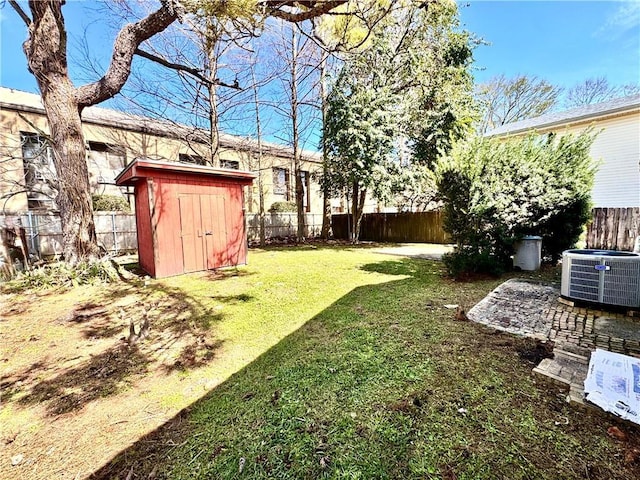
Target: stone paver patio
column 531, row 309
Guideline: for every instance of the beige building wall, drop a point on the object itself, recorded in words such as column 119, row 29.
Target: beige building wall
column 114, row 139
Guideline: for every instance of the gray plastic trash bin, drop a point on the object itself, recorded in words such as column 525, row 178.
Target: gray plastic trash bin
column 528, row 253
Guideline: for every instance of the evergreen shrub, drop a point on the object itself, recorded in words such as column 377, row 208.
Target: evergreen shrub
column 495, row 191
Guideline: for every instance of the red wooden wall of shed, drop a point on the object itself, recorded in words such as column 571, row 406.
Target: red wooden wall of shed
column 144, row 228
column 228, row 233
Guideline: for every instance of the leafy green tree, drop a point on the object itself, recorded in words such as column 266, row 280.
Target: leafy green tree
column 358, row 135
column 414, row 189
column 409, row 86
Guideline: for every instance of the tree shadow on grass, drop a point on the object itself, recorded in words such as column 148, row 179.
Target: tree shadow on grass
column 101, row 376
column 417, row 269
column 307, row 352
column 181, row 336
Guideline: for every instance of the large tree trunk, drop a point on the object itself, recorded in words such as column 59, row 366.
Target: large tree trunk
column 297, row 163
column 256, row 104
column 212, row 72
column 326, row 203
column 46, row 52
column 74, row 194
column 357, row 210
column 325, row 233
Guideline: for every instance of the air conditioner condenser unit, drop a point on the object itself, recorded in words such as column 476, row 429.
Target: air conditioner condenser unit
column 601, row 276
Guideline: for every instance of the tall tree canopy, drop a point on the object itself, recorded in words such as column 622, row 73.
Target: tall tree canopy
column 397, row 102
column 505, row 100
column 595, row 90
column 46, row 52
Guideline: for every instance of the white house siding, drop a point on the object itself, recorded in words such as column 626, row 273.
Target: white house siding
column 617, row 149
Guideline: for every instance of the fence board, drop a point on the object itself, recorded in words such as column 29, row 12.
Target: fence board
column 282, row 225
column 613, row 228
column 421, row 227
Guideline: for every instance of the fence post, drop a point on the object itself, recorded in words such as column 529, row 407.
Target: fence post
column 115, row 232
column 33, row 233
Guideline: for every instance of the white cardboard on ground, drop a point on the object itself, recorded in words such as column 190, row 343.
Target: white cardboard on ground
column 613, row 383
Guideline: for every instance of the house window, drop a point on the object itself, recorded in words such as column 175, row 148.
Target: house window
column 105, row 163
column 281, row 182
column 232, row 164
column 187, row 158
column 39, row 171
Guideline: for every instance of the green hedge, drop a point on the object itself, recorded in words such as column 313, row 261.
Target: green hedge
column 110, row 203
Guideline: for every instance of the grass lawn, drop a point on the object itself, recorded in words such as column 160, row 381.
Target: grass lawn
column 308, row 363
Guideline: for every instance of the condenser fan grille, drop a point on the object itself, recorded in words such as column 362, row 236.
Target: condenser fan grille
column 584, row 280
column 621, row 284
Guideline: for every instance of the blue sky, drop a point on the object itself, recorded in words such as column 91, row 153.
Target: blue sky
column 563, row 42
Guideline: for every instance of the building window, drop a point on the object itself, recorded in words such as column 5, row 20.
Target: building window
column 232, row 164
column 39, row 171
column 281, row 182
column 306, row 190
column 187, row 158
column 105, row 163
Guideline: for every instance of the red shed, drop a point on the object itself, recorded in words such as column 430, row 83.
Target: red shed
column 189, row 217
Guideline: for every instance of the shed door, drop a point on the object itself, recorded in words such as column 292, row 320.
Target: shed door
column 203, row 232
column 214, row 226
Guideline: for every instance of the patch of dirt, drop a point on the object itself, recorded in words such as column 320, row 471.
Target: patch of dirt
column 73, row 377
column 534, row 351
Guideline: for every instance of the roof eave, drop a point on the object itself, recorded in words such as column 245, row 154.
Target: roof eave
column 567, row 121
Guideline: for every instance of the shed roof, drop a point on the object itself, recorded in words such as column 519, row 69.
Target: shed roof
column 11, row 99
column 145, row 168
column 575, row 115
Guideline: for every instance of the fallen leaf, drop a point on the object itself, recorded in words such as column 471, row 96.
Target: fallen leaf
column 616, row 433
column 565, row 421
column 631, row 456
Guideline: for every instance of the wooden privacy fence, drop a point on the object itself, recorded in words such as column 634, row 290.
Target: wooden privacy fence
column 281, row 225
column 613, row 228
column 420, row 227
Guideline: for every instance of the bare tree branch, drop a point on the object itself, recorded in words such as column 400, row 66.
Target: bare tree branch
column 127, row 41
column 314, row 8
column 20, row 12
column 184, row 68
